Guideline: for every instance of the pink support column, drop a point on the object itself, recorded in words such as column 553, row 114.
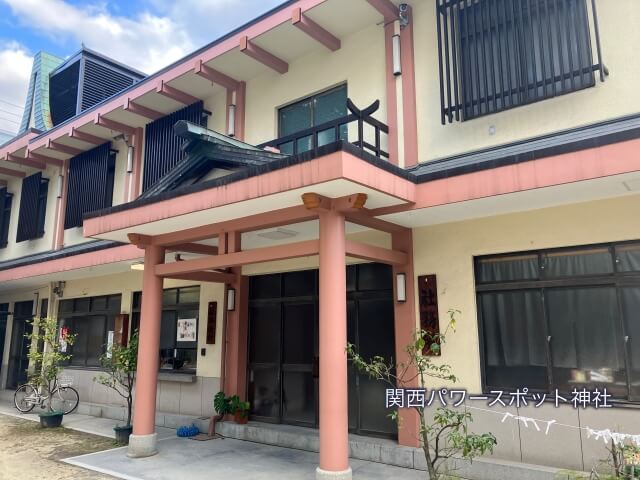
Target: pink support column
column 237, row 327
column 61, row 210
column 409, row 102
column 142, row 442
column 405, row 326
column 334, row 426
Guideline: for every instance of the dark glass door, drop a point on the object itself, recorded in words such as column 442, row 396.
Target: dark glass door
column 371, row 330
column 283, row 347
column 18, row 361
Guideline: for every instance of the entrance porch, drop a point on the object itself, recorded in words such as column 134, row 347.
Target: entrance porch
column 328, row 220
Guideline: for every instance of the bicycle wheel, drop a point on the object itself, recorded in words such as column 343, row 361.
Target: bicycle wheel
column 65, row 400
column 25, row 398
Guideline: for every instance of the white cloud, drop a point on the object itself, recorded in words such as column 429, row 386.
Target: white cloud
column 15, row 65
column 147, row 42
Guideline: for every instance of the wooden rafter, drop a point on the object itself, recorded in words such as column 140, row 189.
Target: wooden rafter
column 113, row 125
column 215, row 76
column 173, row 93
column 25, row 162
column 237, row 259
column 315, row 31
column 59, row 147
column 87, row 137
column 133, row 107
column 261, row 55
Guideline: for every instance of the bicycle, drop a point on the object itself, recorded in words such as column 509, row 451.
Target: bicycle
column 64, row 398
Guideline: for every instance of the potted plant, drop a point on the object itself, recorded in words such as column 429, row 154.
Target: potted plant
column 120, row 363
column 48, row 362
column 231, row 406
column 239, row 409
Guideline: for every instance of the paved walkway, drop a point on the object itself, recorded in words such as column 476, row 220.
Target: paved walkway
column 226, row 459
column 81, row 423
column 210, row 460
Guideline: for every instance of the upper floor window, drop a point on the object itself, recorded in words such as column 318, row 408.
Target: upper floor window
column 5, row 214
column 312, row 112
column 90, row 188
column 499, row 54
column 33, row 207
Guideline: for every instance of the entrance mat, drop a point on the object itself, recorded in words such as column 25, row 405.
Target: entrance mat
column 203, row 437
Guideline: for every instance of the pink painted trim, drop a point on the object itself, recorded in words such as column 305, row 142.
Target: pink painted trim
column 173, row 93
column 373, row 253
column 331, row 167
column 239, row 258
column 214, row 75
column 315, row 31
column 17, row 144
column 278, row 18
column 136, row 174
column 11, row 158
column 87, row 137
column 75, row 262
column 66, row 149
column 241, row 100
column 334, row 405
column 43, row 159
column 144, row 420
column 405, row 325
column 409, row 102
column 614, row 159
column 113, row 125
column 12, row 173
column 61, row 212
column 261, row 55
column 392, row 97
column 146, row 112
column 386, row 8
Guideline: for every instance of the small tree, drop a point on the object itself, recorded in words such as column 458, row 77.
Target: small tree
column 48, row 362
column 446, row 434
column 120, row 363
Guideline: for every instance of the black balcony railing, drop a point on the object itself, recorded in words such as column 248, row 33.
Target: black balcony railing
column 368, row 133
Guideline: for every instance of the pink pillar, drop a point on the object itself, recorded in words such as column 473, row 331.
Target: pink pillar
column 334, row 426
column 405, row 326
column 143, row 441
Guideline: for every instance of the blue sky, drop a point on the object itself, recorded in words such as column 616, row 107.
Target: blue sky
column 146, row 34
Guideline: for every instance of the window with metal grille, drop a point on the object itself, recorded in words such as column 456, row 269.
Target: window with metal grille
column 499, row 54
column 90, row 183
column 33, row 207
column 6, row 199
column 162, row 147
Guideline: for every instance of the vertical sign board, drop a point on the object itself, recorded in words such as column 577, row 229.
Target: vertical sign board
column 121, row 329
column 428, row 296
column 212, row 315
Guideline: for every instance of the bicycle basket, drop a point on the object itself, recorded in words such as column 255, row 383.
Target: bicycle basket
column 65, row 381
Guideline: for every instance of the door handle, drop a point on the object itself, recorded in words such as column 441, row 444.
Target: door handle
column 626, row 339
column 549, row 339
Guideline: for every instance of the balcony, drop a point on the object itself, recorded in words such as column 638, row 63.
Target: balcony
column 358, row 127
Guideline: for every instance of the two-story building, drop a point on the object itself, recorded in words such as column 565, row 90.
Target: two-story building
column 341, row 171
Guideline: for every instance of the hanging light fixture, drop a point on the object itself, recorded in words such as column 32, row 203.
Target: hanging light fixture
column 231, row 130
column 395, row 48
column 231, row 299
column 401, row 287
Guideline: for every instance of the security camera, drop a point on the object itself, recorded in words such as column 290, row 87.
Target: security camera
column 403, row 14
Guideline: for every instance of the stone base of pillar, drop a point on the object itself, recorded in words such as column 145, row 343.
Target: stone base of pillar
column 141, row 446
column 327, row 475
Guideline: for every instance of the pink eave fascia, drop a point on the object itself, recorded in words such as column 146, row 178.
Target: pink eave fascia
column 335, row 166
column 182, row 67
column 75, row 262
